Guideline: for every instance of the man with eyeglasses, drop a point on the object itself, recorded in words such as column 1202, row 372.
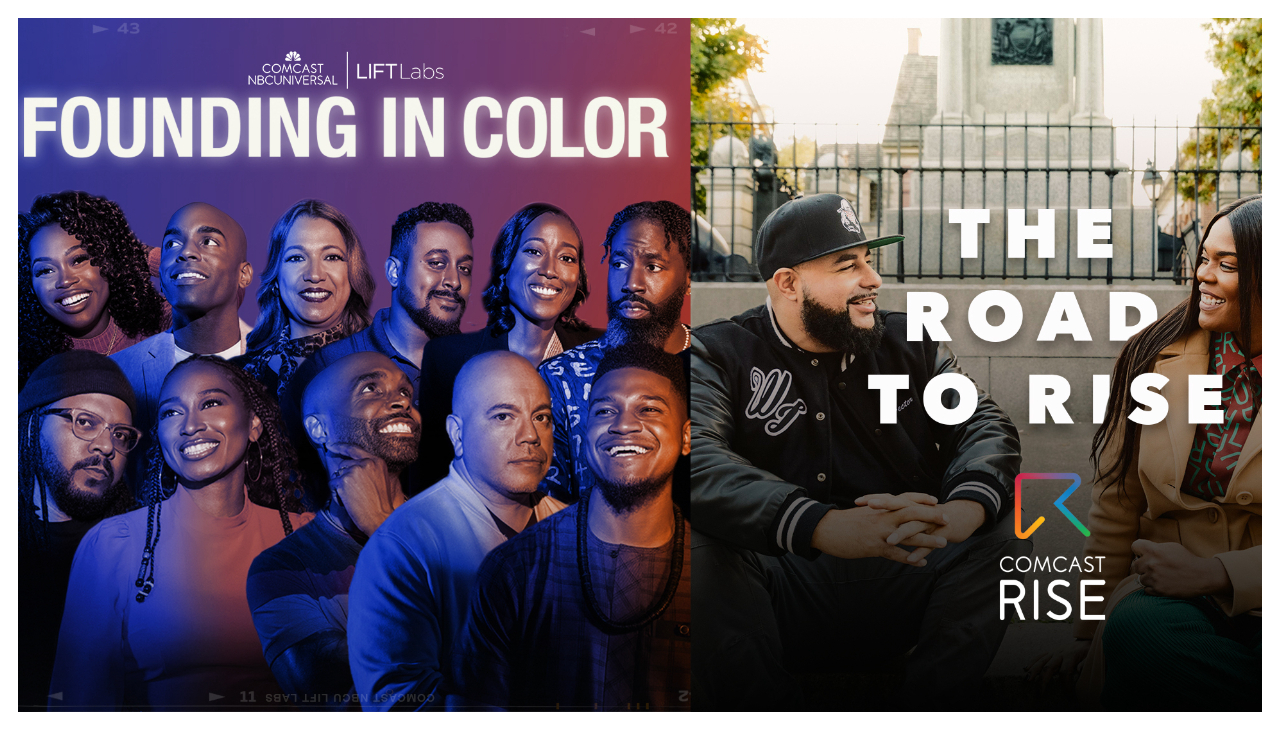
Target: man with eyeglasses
column 75, row 421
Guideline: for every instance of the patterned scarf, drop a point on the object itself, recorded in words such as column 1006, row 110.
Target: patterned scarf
column 291, row 352
column 1216, row 447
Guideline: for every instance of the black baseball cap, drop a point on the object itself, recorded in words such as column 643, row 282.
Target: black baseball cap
column 808, row 228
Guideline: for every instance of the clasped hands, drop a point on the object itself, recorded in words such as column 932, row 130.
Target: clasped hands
column 884, row 525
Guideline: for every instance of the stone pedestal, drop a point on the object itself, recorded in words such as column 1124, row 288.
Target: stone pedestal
column 1020, row 125
column 730, row 190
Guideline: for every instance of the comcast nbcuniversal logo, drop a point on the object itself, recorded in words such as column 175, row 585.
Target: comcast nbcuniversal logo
column 292, row 72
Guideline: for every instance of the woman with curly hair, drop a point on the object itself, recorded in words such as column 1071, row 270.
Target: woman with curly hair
column 157, row 615
column 536, row 283
column 1176, row 520
column 315, row 290
column 84, row 280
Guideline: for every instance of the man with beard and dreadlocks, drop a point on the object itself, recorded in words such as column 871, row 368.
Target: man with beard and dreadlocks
column 647, row 251
column 429, row 270
column 358, row 415
column 74, row 429
column 409, row 594
column 814, row 513
column 591, row 608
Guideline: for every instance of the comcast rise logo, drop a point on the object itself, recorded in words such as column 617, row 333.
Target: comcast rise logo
column 1017, row 502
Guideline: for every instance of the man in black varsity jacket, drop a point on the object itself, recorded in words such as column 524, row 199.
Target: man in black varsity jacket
column 825, row 540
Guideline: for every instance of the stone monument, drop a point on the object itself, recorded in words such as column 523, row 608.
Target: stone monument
column 1019, row 124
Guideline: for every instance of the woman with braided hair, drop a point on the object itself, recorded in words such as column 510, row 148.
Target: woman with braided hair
column 157, row 615
column 315, row 290
column 84, row 280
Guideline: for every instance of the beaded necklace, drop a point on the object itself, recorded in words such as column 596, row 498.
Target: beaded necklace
column 608, row 625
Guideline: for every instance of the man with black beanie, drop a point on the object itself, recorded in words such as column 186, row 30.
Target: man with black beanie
column 75, row 418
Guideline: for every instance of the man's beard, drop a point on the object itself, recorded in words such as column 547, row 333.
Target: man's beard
column 654, row 329
column 428, row 322
column 625, row 497
column 834, row 328
column 76, row 503
column 398, row 452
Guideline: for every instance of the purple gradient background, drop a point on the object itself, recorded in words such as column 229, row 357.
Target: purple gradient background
column 504, row 59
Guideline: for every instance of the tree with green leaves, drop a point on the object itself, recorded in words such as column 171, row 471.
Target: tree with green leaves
column 1236, row 104
column 720, row 50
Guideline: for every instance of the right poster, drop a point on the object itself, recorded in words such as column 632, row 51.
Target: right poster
column 976, row 382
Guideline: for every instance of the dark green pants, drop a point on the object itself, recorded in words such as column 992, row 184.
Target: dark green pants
column 1181, row 654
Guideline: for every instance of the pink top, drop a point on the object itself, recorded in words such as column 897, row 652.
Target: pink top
column 191, row 644
column 111, row 341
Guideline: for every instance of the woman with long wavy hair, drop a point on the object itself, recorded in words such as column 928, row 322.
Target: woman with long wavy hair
column 316, row 289
column 1177, row 506
column 84, row 280
column 157, row 614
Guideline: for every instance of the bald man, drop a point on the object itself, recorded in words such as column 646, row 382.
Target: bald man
column 363, row 431
column 203, row 275
column 410, row 591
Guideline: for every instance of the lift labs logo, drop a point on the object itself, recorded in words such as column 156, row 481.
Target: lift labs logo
column 1017, row 502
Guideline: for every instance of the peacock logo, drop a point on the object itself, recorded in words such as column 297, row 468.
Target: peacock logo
column 292, row 56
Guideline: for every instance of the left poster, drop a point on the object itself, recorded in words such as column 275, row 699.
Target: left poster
column 241, row 188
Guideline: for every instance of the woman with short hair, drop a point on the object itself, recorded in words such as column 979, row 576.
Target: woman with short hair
column 536, row 283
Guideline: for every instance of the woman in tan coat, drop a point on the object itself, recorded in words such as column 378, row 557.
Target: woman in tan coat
column 1177, row 506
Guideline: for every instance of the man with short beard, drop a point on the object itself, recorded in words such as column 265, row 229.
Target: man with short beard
column 814, row 513
column 648, row 254
column 75, row 417
column 409, row 593
column 429, row 270
column 591, row 608
column 363, row 430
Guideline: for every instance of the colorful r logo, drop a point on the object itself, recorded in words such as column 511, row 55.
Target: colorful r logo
column 1017, row 503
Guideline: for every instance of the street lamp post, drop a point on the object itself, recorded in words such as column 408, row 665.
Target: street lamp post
column 1153, row 184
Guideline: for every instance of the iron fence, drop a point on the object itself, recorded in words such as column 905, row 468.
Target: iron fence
column 908, row 180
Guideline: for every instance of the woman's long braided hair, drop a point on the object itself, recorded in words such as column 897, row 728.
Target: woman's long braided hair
column 270, row 476
column 134, row 304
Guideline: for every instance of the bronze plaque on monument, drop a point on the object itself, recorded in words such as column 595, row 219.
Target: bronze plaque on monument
column 1022, row 41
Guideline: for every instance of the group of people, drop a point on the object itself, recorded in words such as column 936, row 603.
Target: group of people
column 343, row 509
column 828, row 540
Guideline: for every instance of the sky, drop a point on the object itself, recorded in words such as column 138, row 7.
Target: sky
column 850, row 67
